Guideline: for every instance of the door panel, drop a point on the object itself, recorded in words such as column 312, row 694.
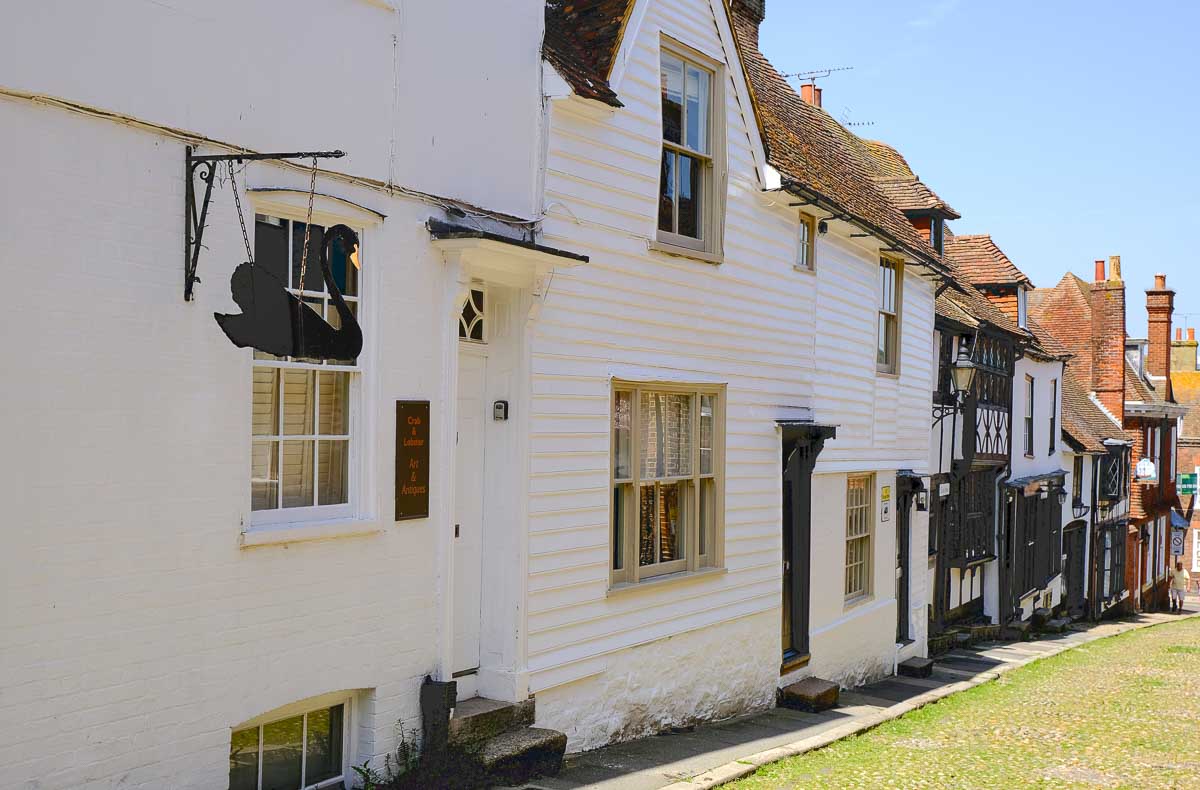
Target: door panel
column 468, row 509
column 797, row 517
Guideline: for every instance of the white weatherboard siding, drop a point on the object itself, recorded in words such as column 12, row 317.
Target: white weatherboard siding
column 752, row 323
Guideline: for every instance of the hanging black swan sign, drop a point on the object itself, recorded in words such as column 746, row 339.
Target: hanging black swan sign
column 275, row 320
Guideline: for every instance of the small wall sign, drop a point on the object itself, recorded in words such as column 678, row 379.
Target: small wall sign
column 412, row 459
column 1146, row 471
column 1178, row 536
column 1187, row 484
column 885, row 510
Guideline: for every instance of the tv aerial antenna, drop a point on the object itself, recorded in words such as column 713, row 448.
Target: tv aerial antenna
column 811, row 77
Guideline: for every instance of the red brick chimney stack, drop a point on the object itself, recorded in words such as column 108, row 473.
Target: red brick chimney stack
column 1108, row 338
column 1160, row 307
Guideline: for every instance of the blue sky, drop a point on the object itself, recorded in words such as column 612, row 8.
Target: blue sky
column 1068, row 130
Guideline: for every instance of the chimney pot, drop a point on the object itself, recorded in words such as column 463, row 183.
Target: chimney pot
column 1100, row 276
column 1191, row 333
column 811, row 94
column 1114, row 267
column 1178, row 333
column 1160, row 282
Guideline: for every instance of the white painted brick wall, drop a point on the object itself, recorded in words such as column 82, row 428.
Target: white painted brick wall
column 136, row 631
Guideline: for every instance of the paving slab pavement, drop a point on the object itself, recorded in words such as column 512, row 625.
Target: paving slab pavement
column 717, row 753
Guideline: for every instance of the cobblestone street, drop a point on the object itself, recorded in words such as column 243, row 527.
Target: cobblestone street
column 1122, row 712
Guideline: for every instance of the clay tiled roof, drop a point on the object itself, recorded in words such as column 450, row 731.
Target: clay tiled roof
column 1044, row 343
column 982, row 262
column 817, row 156
column 1082, row 420
column 1138, row 389
column 1065, row 312
column 582, row 39
column 1185, row 386
column 899, row 183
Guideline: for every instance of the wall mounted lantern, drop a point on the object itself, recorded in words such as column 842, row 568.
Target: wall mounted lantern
column 962, row 378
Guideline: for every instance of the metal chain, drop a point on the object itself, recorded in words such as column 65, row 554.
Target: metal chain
column 312, row 191
column 237, row 201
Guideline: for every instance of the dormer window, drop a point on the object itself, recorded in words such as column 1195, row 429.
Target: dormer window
column 1022, row 309
column 689, row 205
column 935, row 234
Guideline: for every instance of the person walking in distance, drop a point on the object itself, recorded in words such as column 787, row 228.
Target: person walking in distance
column 1180, row 581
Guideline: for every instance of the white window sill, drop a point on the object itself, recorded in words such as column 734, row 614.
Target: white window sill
column 666, row 580
column 685, row 252
column 298, row 532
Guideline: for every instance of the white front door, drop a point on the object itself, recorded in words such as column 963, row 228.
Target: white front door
column 468, row 515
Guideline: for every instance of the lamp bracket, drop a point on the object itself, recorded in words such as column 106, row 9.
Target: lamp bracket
column 194, row 224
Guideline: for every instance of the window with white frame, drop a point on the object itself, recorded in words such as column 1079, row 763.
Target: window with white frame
column 1022, row 309
column 667, row 465
column 860, row 526
column 301, row 752
column 806, row 243
column 890, row 275
column 302, row 408
column 687, row 199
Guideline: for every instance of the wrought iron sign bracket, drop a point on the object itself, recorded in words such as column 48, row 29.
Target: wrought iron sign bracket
column 194, row 223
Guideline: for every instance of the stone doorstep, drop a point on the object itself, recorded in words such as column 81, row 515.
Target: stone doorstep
column 916, row 667
column 517, row 756
column 477, row 719
column 810, row 694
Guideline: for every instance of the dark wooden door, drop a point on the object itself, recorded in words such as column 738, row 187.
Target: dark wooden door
column 1074, row 545
column 797, row 524
column 903, row 507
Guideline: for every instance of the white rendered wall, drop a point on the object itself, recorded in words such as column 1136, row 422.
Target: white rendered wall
column 137, row 631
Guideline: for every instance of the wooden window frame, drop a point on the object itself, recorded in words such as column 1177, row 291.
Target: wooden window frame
column 631, row 571
column 806, row 243
column 1030, row 393
column 710, row 246
column 890, row 367
column 856, row 596
column 304, row 708
column 1077, row 479
column 1022, row 308
column 355, row 406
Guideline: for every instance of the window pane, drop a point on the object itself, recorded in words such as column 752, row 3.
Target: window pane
column 672, row 97
column 270, row 246
column 803, row 258
column 708, row 512
column 282, row 743
column 312, row 270
column 333, row 419
column 646, row 526
column 618, row 527
column 333, row 470
column 324, row 757
column 622, row 435
column 264, row 476
column 697, row 109
column 341, row 264
column 883, row 356
column 299, row 393
column 665, row 434
column 690, row 193
column 264, row 419
column 707, row 416
column 666, row 194
column 670, row 521
column 298, row 474
column 243, row 760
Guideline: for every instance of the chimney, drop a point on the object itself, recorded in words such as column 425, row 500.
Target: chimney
column 1183, row 352
column 1108, row 338
column 811, row 94
column 748, row 15
column 1160, row 306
